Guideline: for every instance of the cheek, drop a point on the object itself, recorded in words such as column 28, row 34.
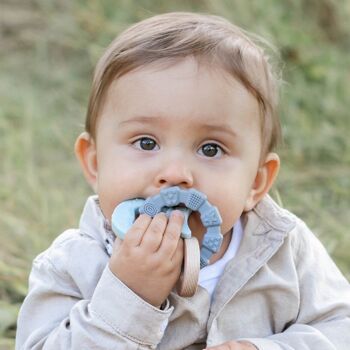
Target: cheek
column 229, row 217
column 119, row 180
column 114, row 186
column 231, row 200
column 109, row 198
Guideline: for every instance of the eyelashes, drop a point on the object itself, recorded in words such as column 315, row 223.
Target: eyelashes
column 209, row 150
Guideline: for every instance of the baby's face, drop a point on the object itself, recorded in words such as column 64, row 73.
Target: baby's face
column 184, row 125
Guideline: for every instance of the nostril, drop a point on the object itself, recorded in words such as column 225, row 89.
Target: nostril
column 175, row 174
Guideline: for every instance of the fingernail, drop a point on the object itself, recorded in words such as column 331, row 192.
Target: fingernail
column 177, row 213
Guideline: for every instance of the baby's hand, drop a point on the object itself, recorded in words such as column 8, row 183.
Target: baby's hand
column 233, row 345
column 149, row 259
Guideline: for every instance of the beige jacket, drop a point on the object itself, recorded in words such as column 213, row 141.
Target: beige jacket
column 281, row 292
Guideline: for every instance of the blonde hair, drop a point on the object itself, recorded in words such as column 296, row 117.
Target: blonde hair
column 212, row 39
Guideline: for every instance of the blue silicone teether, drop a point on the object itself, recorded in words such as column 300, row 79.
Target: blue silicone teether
column 126, row 213
column 166, row 201
column 124, row 216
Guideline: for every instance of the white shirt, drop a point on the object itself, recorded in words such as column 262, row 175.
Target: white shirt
column 210, row 275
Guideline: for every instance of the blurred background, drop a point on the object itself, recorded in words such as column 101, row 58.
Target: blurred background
column 48, row 52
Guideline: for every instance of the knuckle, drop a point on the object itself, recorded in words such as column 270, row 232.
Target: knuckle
column 132, row 255
column 172, row 233
column 167, row 268
column 167, row 265
column 158, row 223
column 151, row 261
column 155, row 228
column 137, row 227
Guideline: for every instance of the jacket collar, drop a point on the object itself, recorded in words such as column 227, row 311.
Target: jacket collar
column 268, row 216
column 95, row 225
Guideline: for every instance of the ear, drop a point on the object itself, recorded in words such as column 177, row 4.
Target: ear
column 85, row 151
column 265, row 178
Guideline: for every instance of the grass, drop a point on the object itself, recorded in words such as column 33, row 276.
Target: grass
column 49, row 49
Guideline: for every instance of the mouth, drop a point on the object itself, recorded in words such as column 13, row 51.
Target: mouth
column 177, row 207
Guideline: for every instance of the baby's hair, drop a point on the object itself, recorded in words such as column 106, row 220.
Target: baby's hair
column 211, row 40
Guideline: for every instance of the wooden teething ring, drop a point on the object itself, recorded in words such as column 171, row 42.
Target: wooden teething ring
column 187, row 284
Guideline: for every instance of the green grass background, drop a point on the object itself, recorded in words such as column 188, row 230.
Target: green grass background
column 48, row 51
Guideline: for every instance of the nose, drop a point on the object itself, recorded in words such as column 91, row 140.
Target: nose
column 174, row 173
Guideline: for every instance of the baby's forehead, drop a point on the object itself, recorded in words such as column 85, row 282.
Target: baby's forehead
column 182, row 96
column 183, row 71
column 185, row 82
column 191, row 65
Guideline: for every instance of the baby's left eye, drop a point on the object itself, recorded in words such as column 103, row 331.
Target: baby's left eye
column 211, row 150
column 146, row 144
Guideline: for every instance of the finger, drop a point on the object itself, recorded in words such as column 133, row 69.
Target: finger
column 153, row 236
column 134, row 235
column 245, row 345
column 178, row 255
column 172, row 234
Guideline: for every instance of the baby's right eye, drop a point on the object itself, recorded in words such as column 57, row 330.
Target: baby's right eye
column 146, row 144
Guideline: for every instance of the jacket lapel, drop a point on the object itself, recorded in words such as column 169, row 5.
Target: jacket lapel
column 264, row 230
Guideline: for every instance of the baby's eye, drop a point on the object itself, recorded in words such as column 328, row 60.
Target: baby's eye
column 211, row 150
column 146, row 144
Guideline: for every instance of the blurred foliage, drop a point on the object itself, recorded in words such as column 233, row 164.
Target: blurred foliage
column 49, row 49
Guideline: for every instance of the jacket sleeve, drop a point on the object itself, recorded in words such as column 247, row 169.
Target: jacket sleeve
column 323, row 322
column 54, row 314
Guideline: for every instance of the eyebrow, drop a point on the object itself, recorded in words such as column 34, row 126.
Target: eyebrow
column 222, row 128
column 142, row 119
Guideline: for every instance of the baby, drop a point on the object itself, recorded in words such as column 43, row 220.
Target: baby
column 185, row 100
